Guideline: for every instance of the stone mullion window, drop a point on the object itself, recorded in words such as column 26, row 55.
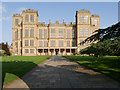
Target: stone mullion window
column 68, row 43
column 45, row 33
column 26, row 50
column 81, row 32
column 31, row 32
column 40, row 33
column 52, row 33
column 68, row 33
column 26, row 18
column 86, row 32
column 16, row 35
column 45, row 43
column 31, row 18
column 73, row 43
column 86, row 18
column 95, row 22
column 81, row 18
column 60, row 32
column 52, row 43
column 60, row 43
column 26, row 42
column 31, row 50
column 73, row 33
column 31, row 42
column 26, row 32
column 16, row 22
column 40, row 43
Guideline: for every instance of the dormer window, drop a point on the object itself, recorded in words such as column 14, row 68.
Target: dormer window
column 26, row 18
column 31, row 18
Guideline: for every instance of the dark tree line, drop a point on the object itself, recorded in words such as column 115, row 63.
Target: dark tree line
column 108, row 42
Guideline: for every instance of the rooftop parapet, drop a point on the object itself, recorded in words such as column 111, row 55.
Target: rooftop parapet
column 17, row 15
column 30, row 11
column 84, row 11
column 94, row 15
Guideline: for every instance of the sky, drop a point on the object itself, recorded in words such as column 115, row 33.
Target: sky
column 108, row 12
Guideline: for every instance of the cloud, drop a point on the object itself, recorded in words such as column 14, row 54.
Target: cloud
column 21, row 9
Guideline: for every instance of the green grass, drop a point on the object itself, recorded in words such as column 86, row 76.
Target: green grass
column 16, row 66
column 109, row 65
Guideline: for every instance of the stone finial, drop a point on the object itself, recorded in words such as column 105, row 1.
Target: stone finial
column 49, row 21
column 57, row 23
column 70, row 23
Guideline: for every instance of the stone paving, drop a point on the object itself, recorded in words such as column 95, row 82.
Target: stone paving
column 59, row 72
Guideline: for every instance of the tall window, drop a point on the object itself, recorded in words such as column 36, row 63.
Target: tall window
column 16, row 35
column 91, row 32
column 26, row 32
column 16, row 21
column 45, row 33
column 68, row 43
column 68, row 33
column 40, row 43
column 52, row 34
column 40, row 33
column 31, row 50
column 31, row 18
column 86, row 32
column 95, row 21
column 86, row 19
column 45, row 43
column 73, row 33
column 60, row 32
column 60, row 43
column 26, row 18
column 81, row 32
column 73, row 43
column 31, row 42
column 26, row 42
column 21, row 33
column 31, row 32
column 52, row 43
column 26, row 50
column 81, row 18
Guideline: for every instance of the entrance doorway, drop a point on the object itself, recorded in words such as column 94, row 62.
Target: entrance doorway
column 56, row 51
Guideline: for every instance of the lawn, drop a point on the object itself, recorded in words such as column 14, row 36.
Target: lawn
column 16, row 66
column 109, row 65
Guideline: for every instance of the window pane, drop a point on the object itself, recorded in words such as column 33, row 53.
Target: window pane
column 16, row 21
column 31, row 18
column 73, row 33
column 45, row 43
column 40, row 33
column 26, row 32
column 26, row 43
column 86, row 32
column 40, row 43
column 52, row 43
column 45, row 33
column 68, row 43
column 16, row 35
column 68, row 33
column 31, row 50
column 52, row 34
column 81, row 32
column 32, row 32
column 86, row 19
column 81, row 18
column 95, row 21
column 73, row 43
column 26, row 18
column 31, row 42
column 26, row 51
column 60, row 32
column 60, row 43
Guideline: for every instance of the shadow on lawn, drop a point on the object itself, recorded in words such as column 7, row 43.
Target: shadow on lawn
column 22, row 68
column 61, row 76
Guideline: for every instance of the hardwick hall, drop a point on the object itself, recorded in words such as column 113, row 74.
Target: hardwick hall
column 33, row 38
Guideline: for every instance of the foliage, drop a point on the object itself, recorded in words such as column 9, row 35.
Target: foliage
column 109, row 65
column 108, row 42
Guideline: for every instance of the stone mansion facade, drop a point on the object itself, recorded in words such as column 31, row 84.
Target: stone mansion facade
column 32, row 38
